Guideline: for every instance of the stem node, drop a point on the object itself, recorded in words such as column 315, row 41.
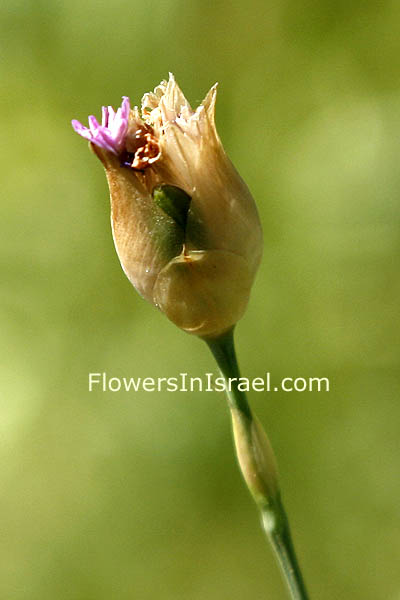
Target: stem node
column 258, row 466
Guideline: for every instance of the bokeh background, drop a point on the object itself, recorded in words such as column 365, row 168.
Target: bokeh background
column 121, row 496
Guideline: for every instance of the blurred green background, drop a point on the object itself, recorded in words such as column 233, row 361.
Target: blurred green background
column 121, row 496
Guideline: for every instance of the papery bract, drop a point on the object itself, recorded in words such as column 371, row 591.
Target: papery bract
column 197, row 269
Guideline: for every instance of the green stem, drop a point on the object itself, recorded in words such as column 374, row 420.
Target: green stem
column 278, row 532
column 274, row 519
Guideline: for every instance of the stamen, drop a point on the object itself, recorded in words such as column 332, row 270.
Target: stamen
column 144, row 147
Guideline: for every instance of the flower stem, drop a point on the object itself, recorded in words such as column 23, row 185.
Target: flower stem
column 258, row 466
column 282, row 544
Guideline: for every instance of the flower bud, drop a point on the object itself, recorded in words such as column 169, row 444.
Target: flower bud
column 184, row 223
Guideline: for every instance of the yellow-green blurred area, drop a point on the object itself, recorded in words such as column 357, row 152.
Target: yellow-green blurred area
column 137, row 495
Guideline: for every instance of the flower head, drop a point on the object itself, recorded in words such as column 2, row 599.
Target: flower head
column 185, row 225
column 111, row 134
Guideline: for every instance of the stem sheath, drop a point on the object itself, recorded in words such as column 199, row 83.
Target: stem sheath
column 258, row 466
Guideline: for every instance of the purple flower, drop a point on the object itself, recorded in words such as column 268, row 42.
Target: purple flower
column 111, row 134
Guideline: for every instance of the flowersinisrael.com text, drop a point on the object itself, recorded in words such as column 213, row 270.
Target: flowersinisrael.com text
column 207, row 383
